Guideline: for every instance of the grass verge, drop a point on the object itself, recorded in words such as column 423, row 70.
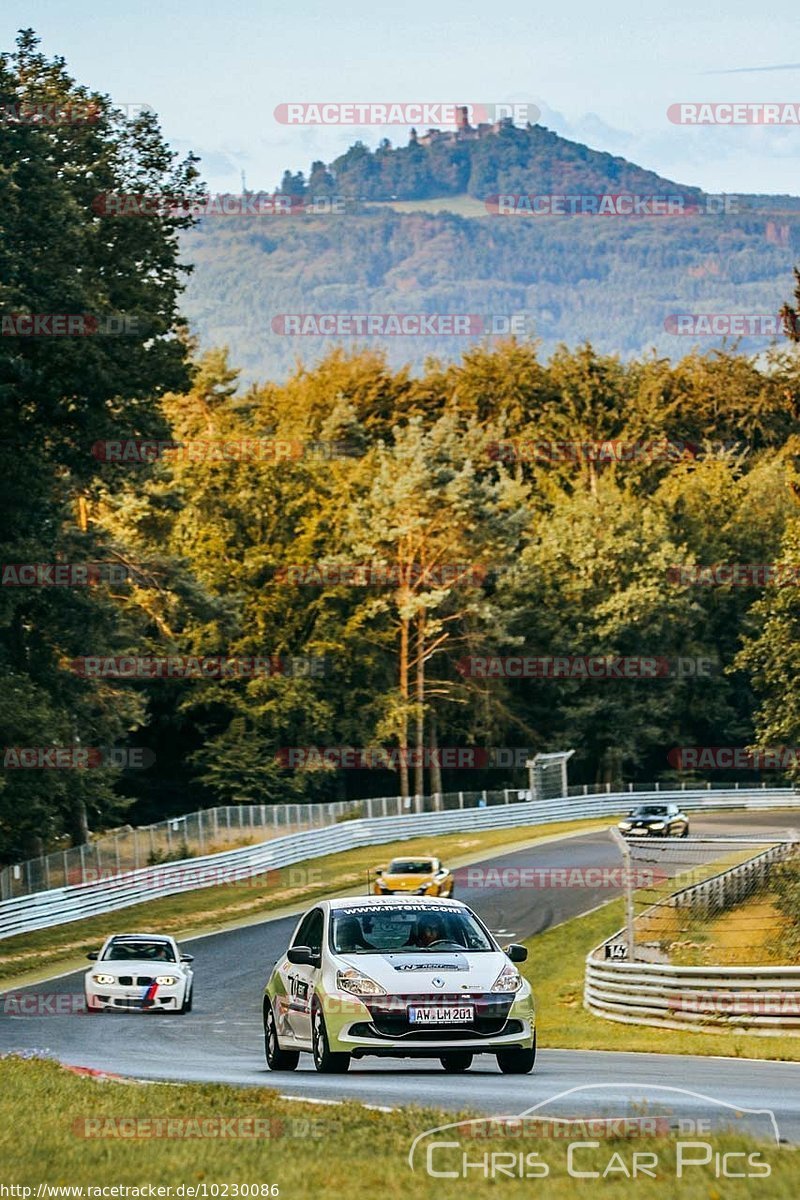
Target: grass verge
column 555, row 968
column 285, row 890
column 306, row 1150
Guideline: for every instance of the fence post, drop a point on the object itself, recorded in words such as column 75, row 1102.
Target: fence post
column 505, row 793
column 200, row 828
column 46, row 865
column 630, row 927
column 460, row 799
column 83, row 868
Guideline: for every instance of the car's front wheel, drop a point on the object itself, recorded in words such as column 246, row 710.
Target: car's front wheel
column 456, row 1060
column 186, row 1007
column 277, row 1059
column 516, row 1061
column 327, row 1061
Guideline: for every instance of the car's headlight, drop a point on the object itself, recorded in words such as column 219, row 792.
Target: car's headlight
column 624, row 825
column 509, row 980
column 359, row 985
column 104, row 979
column 165, row 980
column 422, row 890
column 658, row 824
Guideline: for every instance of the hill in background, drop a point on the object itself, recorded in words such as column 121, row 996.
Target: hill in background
column 416, row 236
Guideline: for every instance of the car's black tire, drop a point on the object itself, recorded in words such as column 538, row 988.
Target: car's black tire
column 455, row 1061
column 517, row 1061
column 277, row 1059
column 685, row 832
column 325, row 1060
column 186, row 1007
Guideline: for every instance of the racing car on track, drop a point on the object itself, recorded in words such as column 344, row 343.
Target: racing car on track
column 421, row 876
column 138, row 972
column 408, row 977
column 655, row 820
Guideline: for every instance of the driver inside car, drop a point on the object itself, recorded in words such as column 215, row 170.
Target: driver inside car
column 349, row 937
column 430, row 930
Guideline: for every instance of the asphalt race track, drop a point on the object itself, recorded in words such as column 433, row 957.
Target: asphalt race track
column 222, row 1040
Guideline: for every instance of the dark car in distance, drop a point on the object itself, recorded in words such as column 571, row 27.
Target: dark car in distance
column 655, row 820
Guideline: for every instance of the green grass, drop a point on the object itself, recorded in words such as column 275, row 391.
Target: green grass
column 336, row 1150
column 290, row 888
column 555, row 967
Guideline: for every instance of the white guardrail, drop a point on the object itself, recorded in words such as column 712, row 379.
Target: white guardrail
column 762, row 1000
column 58, row 906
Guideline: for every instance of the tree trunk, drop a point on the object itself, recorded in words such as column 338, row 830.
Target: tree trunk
column 403, row 736
column 419, row 764
column 436, row 767
column 78, row 822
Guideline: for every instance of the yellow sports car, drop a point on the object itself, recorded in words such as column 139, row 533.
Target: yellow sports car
column 415, row 876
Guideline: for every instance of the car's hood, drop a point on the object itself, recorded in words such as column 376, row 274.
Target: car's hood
column 647, row 820
column 417, row 971
column 405, row 883
column 136, row 966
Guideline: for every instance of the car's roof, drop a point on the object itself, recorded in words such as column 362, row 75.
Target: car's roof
column 415, row 858
column 401, row 901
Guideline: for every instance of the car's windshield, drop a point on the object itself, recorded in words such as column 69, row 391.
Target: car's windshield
column 128, row 949
column 405, row 929
column 410, row 866
column 649, row 810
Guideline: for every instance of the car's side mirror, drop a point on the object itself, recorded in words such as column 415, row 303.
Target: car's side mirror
column 516, row 952
column 378, row 871
column 303, row 956
column 187, row 958
column 93, row 955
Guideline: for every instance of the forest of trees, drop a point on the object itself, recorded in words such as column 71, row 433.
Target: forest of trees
column 355, row 461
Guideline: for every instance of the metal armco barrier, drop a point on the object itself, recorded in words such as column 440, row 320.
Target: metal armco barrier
column 58, row 906
column 762, row 1000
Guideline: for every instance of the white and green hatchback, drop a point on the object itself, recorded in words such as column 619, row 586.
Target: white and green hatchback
column 413, row 977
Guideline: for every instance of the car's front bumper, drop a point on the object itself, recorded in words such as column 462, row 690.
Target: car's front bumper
column 123, row 998
column 381, row 1026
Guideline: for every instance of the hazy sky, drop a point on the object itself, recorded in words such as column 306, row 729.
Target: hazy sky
column 602, row 74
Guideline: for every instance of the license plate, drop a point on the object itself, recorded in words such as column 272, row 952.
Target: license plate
column 440, row 1016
